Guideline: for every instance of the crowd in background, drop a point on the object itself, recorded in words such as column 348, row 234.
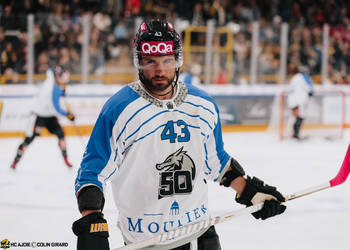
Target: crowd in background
column 58, row 34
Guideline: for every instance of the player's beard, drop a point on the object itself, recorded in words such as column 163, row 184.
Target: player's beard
column 157, row 88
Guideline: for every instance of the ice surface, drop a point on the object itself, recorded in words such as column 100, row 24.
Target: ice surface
column 38, row 204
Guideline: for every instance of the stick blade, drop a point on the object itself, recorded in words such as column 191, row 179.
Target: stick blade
column 343, row 172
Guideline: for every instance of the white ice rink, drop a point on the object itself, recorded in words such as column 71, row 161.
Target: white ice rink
column 37, row 200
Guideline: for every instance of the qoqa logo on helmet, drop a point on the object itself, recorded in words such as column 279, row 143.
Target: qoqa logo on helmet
column 157, row 48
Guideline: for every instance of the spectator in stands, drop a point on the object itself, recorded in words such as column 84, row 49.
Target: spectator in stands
column 75, row 61
column 9, row 62
column 217, row 11
column 102, row 21
column 268, row 61
column 241, row 50
column 120, row 31
column 198, row 15
column 110, row 48
column 132, row 8
column 96, row 60
column 2, row 45
column 8, row 57
column 55, row 18
column 95, row 53
column 42, row 63
column 53, row 55
column 64, row 58
column 8, row 19
column 59, row 24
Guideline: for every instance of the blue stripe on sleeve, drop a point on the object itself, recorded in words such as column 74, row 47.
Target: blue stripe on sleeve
column 131, row 119
column 192, row 90
column 201, row 106
column 57, row 92
column 145, row 122
column 206, row 160
column 202, row 119
column 220, row 151
column 98, row 150
column 307, row 79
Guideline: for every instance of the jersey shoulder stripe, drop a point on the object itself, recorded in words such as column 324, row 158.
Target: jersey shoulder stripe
column 117, row 103
column 222, row 155
column 57, row 92
column 193, row 90
column 98, row 151
column 307, row 79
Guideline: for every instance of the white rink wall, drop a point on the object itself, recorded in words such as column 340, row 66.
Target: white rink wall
column 86, row 100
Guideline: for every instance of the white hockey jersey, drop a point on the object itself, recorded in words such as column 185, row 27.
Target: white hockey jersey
column 158, row 155
column 300, row 87
column 46, row 102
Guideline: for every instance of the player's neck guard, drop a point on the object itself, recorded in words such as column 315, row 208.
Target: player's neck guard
column 180, row 93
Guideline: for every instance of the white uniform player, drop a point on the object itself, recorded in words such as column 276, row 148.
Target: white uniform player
column 46, row 102
column 158, row 141
column 301, row 88
column 191, row 76
column 46, row 107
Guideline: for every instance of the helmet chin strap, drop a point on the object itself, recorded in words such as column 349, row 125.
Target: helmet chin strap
column 147, row 82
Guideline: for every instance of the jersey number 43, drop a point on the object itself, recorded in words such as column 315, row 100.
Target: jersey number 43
column 170, row 131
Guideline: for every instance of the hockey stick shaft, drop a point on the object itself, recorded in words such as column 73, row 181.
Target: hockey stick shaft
column 193, row 227
column 182, row 231
column 340, row 178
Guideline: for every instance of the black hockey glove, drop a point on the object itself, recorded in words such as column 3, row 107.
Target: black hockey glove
column 92, row 232
column 70, row 116
column 256, row 192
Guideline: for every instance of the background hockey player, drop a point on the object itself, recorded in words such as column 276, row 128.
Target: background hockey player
column 44, row 113
column 159, row 141
column 192, row 75
column 301, row 88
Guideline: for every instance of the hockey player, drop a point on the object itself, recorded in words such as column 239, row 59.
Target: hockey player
column 159, row 141
column 191, row 76
column 46, row 106
column 301, row 88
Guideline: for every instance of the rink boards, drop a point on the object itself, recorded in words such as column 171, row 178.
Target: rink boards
column 242, row 108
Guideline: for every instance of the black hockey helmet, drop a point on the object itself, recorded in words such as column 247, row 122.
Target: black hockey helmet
column 157, row 37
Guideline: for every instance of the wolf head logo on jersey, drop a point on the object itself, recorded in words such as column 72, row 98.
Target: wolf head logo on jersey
column 176, row 174
column 178, row 161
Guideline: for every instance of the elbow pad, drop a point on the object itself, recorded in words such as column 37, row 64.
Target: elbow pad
column 90, row 198
column 232, row 173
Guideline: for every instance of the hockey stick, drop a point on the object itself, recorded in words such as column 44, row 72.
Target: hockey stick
column 340, row 178
column 193, row 227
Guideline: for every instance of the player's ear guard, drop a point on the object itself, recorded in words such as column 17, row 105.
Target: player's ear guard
column 92, row 232
column 90, row 198
column 256, row 192
column 232, row 173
